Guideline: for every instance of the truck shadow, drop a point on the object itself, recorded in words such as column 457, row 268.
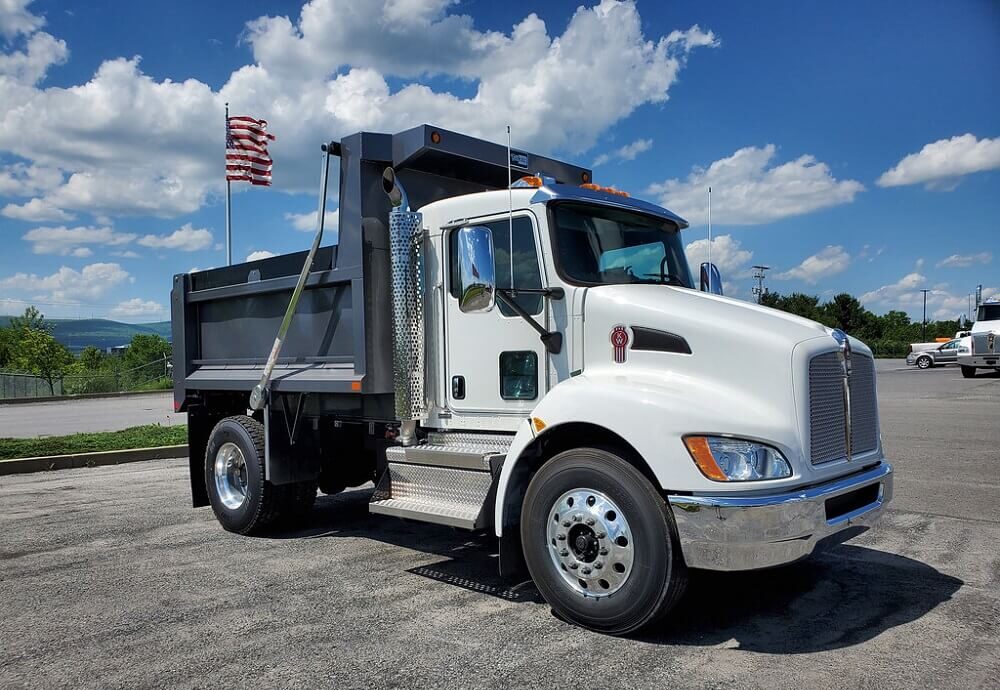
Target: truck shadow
column 838, row 598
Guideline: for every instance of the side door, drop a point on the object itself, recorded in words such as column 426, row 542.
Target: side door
column 495, row 362
column 947, row 353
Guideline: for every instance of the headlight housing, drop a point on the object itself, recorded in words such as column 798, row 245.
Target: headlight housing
column 724, row 459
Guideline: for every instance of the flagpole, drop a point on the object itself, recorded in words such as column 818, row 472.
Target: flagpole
column 229, row 218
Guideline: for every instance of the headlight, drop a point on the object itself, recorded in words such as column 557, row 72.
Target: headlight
column 735, row 460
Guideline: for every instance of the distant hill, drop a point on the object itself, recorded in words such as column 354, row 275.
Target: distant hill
column 76, row 334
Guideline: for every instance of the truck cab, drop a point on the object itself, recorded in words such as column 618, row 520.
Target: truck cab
column 980, row 349
column 524, row 352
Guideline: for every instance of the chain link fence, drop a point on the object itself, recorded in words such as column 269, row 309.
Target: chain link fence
column 151, row 376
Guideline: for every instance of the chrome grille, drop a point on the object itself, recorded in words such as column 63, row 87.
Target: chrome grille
column 827, row 435
column 827, row 413
column 864, row 404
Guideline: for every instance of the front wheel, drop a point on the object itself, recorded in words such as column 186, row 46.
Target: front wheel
column 925, row 362
column 968, row 372
column 600, row 542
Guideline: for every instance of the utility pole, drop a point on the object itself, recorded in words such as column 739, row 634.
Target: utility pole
column 758, row 290
column 923, row 328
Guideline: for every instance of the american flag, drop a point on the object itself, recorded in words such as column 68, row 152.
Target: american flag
column 247, row 159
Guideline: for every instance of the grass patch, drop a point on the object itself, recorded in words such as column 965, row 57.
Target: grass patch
column 146, row 436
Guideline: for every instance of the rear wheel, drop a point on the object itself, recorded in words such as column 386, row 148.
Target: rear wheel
column 968, row 372
column 242, row 499
column 925, row 362
column 600, row 542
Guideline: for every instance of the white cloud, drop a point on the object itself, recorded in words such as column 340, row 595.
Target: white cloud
column 905, row 294
column 37, row 210
column 829, row 261
column 940, row 164
column 16, row 19
column 965, row 260
column 306, row 222
column 30, row 65
column 330, row 71
column 727, row 254
column 260, row 254
column 69, row 285
column 137, row 307
column 127, row 254
column 746, row 191
column 21, row 179
column 73, row 241
column 185, row 238
column 628, row 152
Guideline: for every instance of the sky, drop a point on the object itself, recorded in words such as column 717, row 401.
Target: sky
column 850, row 146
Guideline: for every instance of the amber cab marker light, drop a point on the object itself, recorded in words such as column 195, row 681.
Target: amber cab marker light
column 591, row 185
column 355, row 385
column 531, row 180
column 703, row 458
column 585, row 177
column 538, row 424
column 435, row 137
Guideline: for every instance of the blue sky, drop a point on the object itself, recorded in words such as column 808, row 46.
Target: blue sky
column 852, row 146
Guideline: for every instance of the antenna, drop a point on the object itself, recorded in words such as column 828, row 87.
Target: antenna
column 759, row 290
column 510, row 213
column 710, row 238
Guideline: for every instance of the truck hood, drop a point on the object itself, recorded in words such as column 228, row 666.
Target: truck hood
column 707, row 322
column 729, row 366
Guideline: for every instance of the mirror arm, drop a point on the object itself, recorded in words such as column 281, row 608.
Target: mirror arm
column 555, row 293
column 551, row 339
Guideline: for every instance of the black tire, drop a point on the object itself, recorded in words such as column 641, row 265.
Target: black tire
column 264, row 502
column 968, row 372
column 925, row 362
column 658, row 575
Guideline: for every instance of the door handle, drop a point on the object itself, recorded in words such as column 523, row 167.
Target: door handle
column 458, row 387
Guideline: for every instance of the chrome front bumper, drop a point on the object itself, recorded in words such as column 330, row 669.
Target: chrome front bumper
column 730, row 532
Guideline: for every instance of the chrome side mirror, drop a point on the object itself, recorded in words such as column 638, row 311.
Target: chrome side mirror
column 711, row 279
column 476, row 270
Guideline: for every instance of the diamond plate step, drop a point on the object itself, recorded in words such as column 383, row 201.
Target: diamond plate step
column 445, row 481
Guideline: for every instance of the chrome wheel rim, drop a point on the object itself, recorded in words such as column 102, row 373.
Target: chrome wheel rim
column 231, row 476
column 590, row 543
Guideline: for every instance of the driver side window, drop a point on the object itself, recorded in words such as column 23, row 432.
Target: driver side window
column 526, row 272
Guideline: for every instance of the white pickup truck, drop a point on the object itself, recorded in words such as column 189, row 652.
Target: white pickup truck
column 981, row 348
column 534, row 360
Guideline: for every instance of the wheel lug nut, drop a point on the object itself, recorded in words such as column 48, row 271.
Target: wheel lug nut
column 564, row 552
column 590, row 522
column 566, row 523
column 577, row 517
column 561, row 537
column 573, row 566
column 586, row 571
column 601, row 535
column 603, row 552
column 598, row 565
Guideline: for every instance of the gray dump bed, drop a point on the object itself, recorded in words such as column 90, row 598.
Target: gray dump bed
column 224, row 320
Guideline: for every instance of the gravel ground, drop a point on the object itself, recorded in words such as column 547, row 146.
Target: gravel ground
column 108, row 579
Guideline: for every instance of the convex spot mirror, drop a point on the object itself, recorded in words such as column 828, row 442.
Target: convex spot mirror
column 711, row 279
column 476, row 270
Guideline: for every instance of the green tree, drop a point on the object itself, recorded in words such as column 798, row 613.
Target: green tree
column 8, row 341
column 38, row 353
column 32, row 319
column 91, row 359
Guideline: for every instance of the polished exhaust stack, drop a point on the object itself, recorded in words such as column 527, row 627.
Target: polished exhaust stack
column 407, row 271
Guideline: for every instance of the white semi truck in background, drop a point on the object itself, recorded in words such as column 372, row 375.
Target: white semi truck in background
column 980, row 349
column 532, row 359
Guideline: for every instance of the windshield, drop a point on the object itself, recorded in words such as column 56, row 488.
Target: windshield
column 598, row 245
column 988, row 312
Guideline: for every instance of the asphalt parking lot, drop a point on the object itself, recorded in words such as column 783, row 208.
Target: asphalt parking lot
column 72, row 416
column 109, row 579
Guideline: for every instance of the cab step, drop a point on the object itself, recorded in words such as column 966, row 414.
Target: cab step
column 446, row 480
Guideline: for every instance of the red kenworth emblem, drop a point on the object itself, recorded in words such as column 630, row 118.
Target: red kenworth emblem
column 619, row 341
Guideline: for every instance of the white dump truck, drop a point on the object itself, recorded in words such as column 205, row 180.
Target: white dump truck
column 533, row 359
column 980, row 349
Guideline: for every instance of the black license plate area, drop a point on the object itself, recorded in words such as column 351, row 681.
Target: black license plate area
column 843, row 504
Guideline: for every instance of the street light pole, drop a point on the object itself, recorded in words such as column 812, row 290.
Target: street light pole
column 923, row 329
